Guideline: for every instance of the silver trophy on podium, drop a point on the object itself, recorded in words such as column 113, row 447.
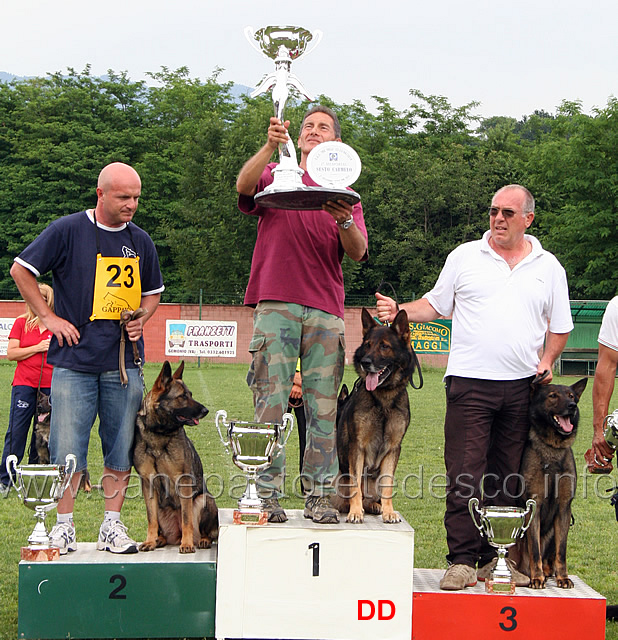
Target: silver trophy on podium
column 502, row 526
column 254, row 446
column 40, row 487
column 283, row 44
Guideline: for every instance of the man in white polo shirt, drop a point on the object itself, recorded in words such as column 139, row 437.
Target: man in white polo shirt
column 509, row 301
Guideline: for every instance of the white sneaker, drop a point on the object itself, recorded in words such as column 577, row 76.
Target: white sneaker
column 63, row 536
column 113, row 537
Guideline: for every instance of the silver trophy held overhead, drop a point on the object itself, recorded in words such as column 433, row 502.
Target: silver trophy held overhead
column 254, row 446
column 336, row 167
column 502, row 526
column 40, row 487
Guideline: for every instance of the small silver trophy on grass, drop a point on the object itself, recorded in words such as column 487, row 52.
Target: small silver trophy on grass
column 502, row 526
column 254, row 446
column 40, row 487
column 339, row 167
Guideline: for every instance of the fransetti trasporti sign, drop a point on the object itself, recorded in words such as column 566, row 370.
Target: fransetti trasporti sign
column 205, row 338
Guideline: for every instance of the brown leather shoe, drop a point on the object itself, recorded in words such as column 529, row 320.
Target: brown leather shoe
column 458, row 577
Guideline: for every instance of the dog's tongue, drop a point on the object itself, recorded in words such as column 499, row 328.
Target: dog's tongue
column 371, row 381
column 565, row 424
column 42, row 416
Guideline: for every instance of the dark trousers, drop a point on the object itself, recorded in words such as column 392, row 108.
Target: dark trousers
column 485, row 430
column 23, row 408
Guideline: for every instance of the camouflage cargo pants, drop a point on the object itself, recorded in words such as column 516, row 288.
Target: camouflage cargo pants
column 281, row 333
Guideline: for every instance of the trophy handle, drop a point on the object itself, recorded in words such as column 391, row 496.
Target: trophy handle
column 70, row 463
column 530, row 508
column 293, row 81
column 288, row 426
column 221, row 416
column 316, row 39
column 473, row 505
column 11, row 461
column 250, row 35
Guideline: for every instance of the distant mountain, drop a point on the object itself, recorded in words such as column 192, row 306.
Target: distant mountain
column 7, row 77
column 237, row 90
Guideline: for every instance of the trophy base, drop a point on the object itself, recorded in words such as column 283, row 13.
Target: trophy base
column 303, row 198
column 34, row 554
column 498, row 586
column 250, row 516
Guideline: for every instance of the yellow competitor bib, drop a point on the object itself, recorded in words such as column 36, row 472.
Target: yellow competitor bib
column 117, row 287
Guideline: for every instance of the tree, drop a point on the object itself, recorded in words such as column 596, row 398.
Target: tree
column 575, row 172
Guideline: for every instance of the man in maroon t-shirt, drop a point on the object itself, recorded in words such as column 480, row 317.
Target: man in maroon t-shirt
column 296, row 287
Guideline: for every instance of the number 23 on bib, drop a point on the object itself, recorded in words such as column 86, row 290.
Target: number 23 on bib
column 117, row 287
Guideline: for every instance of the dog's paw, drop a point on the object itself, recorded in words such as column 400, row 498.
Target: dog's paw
column 375, row 508
column 564, row 583
column 148, row 545
column 537, row 583
column 205, row 543
column 355, row 517
column 186, row 548
column 391, row 517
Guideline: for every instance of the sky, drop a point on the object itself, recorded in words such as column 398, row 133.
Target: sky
column 511, row 56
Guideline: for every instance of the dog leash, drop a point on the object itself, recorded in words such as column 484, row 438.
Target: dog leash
column 125, row 317
column 35, row 415
column 417, row 364
column 384, row 282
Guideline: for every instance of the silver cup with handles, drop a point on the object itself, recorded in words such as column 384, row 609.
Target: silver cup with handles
column 253, row 446
column 502, row 526
column 40, row 487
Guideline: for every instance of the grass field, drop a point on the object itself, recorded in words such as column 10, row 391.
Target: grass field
column 419, row 496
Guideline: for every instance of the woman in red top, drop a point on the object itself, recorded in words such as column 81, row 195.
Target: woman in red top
column 28, row 345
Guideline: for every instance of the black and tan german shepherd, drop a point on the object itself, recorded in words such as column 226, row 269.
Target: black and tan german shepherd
column 40, row 436
column 179, row 508
column 372, row 420
column 549, row 473
column 41, row 427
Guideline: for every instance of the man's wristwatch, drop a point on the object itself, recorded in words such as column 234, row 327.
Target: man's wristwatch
column 346, row 224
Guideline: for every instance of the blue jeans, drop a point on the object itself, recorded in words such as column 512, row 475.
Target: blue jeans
column 23, row 407
column 77, row 398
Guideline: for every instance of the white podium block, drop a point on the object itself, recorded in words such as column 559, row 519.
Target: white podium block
column 305, row 581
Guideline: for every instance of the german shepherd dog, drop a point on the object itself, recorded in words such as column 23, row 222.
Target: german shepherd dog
column 179, row 508
column 41, row 438
column 372, row 420
column 41, row 427
column 549, row 473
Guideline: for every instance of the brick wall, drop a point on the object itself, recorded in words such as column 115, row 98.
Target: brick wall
column 154, row 332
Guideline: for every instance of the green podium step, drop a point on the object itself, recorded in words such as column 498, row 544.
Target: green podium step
column 96, row 594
